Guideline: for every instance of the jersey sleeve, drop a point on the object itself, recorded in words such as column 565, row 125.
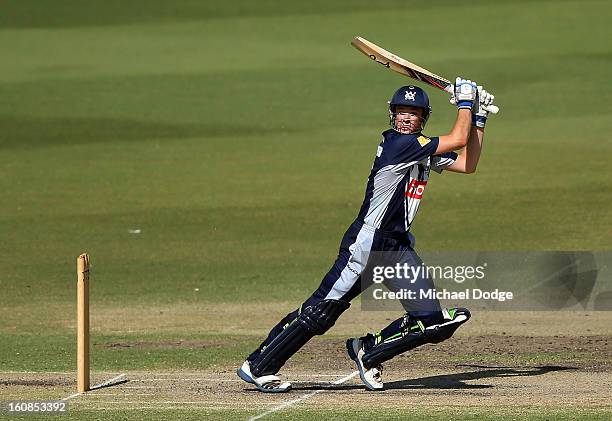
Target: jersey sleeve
column 416, row 149
column 439, row 162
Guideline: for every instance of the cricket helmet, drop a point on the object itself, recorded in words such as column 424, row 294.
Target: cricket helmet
column 410, row 96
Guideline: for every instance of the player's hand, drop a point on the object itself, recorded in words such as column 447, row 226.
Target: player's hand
column 479, row 118
column 466, row 93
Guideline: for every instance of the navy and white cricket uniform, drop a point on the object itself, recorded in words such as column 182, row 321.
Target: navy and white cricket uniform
column 393, row 194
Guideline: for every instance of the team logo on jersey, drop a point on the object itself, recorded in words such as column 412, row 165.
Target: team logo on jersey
column 415, row 189
column 410, row 95
column 423, row 140
column 379, row 151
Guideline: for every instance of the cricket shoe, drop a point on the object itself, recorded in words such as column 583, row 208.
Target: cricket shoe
column 371, row 377
column 266, row 384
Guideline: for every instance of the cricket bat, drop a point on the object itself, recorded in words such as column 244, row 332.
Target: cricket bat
column 406, row 68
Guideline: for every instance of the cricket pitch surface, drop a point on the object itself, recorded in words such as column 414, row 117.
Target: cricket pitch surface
column 494, row 367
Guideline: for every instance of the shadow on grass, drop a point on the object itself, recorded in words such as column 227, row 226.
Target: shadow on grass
column 447, row 381
column 30, row 132
column 60, row 382
column 110, row 383
column 75, row 13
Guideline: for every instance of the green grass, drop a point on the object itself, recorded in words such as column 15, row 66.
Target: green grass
column 508, row 413
column 238, row 137
column 57, row 352
column 513, row 413
column 167, row 351
column 242, row 155
column 525, row 359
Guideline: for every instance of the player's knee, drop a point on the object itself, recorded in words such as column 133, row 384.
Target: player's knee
column 320, row 317
column 454, row 318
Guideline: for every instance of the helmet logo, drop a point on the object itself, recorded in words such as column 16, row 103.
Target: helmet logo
column 410, row 95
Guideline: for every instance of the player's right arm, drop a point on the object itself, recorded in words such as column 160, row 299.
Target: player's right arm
column 459, row 135
column 465, row 95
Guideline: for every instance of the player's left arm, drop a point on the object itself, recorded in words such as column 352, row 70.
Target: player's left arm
column 467, row 160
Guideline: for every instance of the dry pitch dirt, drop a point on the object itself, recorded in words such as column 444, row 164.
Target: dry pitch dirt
column 501, row 360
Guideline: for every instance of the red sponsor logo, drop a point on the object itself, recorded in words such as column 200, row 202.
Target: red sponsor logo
column 415, row 189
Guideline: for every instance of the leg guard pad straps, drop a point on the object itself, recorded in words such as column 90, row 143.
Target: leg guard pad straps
column 319, row 318
column 410, row 339
column 312, row 320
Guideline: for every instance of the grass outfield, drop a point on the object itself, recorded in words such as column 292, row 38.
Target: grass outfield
column 530, row 414
column 236, row 138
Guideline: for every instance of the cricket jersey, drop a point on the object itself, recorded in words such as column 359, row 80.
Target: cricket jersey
column 398, row 179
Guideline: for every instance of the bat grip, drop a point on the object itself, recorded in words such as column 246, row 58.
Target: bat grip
column 493, row 109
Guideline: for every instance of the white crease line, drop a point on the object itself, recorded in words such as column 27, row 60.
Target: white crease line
column 140, row 406
column 125, row 395
column 301, row 399
column 230, row 380
column 230, row 373
column 169, row 379
column 74, row 395
column 183, row 375
column 193, row 379
column 98, row 386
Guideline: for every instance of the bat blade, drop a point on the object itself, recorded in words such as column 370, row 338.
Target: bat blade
column 398, row 64
column 404, row 67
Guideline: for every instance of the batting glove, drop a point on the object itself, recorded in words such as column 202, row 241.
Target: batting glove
column 466, row 93
column 479, row 118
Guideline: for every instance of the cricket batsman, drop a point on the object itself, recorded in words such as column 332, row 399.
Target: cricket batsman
column 394, row 190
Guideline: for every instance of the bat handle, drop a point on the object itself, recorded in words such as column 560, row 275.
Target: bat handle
column 493, row 109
